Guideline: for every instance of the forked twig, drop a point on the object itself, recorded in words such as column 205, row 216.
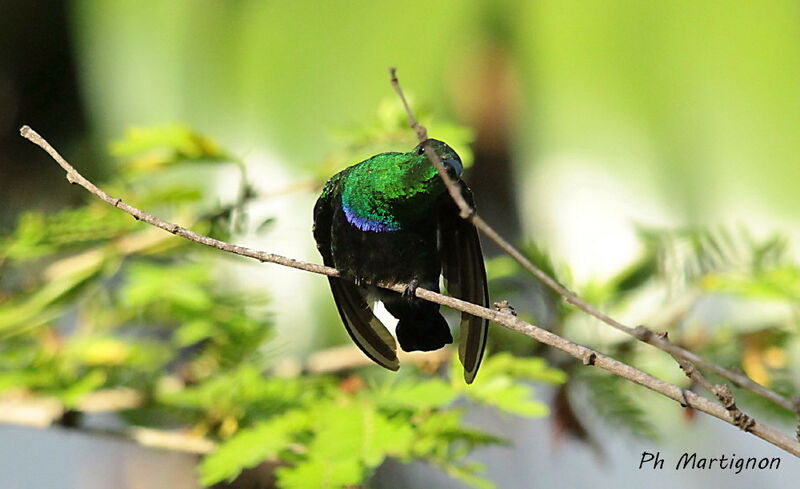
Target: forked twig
column 640, row 332
column 503, row 317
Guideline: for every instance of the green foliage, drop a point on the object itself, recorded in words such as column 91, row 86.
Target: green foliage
column 755, row 281
column 38, row 235
column 498, row 384
column 328, row 437
column 147, row 148
column 251, row 446
column 615, row 402
column 412, row 395
column 130, row 288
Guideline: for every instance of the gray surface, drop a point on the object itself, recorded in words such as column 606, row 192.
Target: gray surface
column 534, row 461
column 58, row 459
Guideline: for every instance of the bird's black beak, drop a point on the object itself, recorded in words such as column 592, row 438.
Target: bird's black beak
column 453, row 166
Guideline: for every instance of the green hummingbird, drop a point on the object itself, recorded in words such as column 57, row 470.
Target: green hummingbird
column 390, row 219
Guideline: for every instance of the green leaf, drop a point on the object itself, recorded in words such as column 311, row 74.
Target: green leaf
column 233, row 392
column 501, row 266
column 25, row 312
column 415, row 394
column 250, row 446
column 348, row 440
column 185, row 286
column 438, row 435
column 149, row 147
column 358, row 431
column 530, row 368
column 38, row 235
column 498, row 384
column 775, row 283
column 104, row 350
column 322, row 474
column 506, row 395
column 193, row 331
column 610, row 398
column 82, row 386
column 468, row 474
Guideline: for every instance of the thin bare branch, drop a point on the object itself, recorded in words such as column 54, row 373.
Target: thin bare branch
column 43, row 412
column 349, row 357
column 422, row 134
column 640, row 332
column 504, row 318
column 720, row 391
column 797, row 411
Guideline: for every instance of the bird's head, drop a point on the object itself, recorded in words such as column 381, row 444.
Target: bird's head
column 450, row 159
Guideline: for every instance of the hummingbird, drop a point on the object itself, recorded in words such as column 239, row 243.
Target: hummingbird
column 390, row 219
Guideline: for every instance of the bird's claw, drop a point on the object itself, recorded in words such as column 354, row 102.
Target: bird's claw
column 411, row 289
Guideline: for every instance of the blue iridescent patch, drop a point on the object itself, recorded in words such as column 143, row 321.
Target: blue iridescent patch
column 365, row 223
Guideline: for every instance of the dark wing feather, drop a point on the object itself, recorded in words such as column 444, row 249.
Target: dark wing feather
column 465, row 278
column 366, row 331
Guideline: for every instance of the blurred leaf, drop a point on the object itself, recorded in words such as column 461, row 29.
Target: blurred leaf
column 82, row 386
column 609, row 397
column 146, row 148
column 505, row 394
column 238, row 392
column 414, row 394
column 193, row 331
column 357, row 432
column 774, row 283
column 37, row 235
column 95, row 351
column 45, row 304
column 328, row 474
column 251, row 446
column 501, row 266
column 498, row 383
column 468, row 474
column 184, row 287
column 442, row 436
column 530, row 368
column 265, row 224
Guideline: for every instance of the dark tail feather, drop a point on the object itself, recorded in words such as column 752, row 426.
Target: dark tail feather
column 420, row 327
column 423, row 332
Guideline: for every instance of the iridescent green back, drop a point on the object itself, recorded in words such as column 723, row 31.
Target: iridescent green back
column 389, row 191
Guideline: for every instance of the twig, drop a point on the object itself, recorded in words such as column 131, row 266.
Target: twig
column 641, row 333
column 348, row 357
column 422, row 134
column 504, row 319
column 720, row 391
column 43, row 412
column 797, row 412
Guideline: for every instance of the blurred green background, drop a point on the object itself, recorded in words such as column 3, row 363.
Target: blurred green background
column 690, row 107
column 585, row 119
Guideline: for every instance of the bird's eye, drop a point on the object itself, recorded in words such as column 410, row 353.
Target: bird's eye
column 421, row 150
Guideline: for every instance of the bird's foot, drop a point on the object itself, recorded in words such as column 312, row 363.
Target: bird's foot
column 411, row 289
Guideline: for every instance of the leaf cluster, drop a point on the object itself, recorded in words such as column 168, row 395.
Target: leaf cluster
column 328, row 435
column 724, row 294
